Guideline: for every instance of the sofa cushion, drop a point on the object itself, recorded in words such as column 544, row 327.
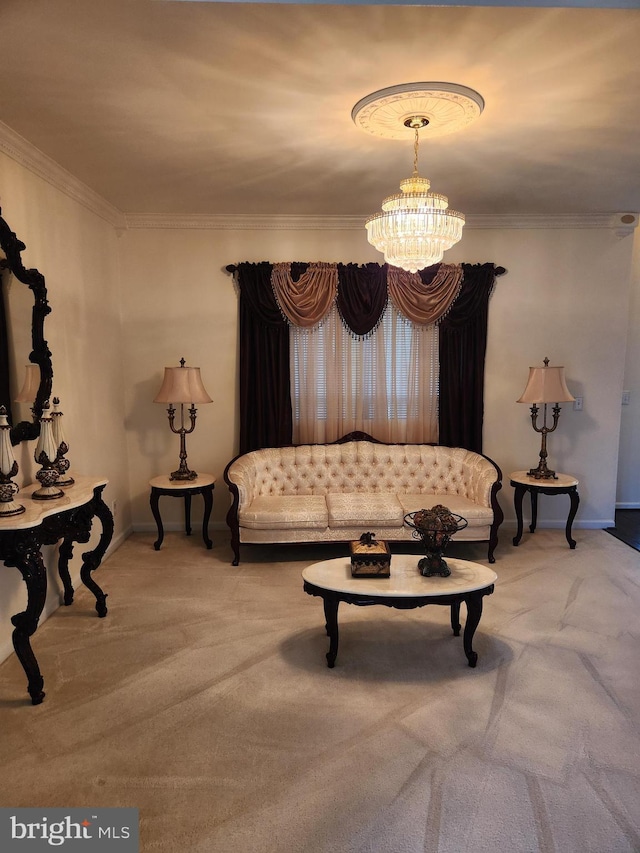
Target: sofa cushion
column 284, row 512
column 356, row 509
column 476, row 515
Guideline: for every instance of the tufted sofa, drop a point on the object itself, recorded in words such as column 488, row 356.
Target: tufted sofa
column 336, row 492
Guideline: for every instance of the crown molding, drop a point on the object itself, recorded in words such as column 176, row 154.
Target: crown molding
column 40, row 164
column 260, row 222
column 242, row 222
column 622, row 223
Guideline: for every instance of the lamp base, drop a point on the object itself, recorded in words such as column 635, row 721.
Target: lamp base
column 183, row 475
column 542, row 472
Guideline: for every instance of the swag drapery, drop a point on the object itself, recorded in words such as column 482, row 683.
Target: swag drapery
column 272, row 296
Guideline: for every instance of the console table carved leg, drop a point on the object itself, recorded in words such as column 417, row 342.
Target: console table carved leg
column 455, row 618
column 64, row 556
column 153, row 501
column 331, row 615
column 92, row 559
column 575, row 502
column 31, row 566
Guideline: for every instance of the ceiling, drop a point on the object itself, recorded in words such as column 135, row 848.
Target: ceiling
column 174, row 107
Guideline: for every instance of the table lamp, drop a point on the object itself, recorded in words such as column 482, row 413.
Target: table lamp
column 545, row 385
column 182, row 385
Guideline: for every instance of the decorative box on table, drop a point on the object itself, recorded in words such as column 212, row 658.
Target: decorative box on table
column 370, row 558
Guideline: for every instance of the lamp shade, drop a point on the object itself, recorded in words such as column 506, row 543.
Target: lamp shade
column 31, row 384
column 182, row 385
column 546, row 385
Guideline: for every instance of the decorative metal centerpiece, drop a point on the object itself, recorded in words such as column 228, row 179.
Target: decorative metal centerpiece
column 434, row 528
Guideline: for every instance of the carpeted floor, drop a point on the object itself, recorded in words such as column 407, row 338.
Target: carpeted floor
column 204, row 700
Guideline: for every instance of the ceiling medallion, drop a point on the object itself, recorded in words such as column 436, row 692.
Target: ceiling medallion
column 416, row 226
column 448, row 107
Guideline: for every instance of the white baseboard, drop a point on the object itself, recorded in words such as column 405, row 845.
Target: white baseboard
column 628, row 505
column 558, row 524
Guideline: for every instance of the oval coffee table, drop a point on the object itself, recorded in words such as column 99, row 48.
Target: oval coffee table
column 405, row 590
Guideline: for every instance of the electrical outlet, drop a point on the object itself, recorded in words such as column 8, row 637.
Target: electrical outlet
column 626, row 398
column 577, row 404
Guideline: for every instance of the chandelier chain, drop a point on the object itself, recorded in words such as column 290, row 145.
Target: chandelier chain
column 415, row 154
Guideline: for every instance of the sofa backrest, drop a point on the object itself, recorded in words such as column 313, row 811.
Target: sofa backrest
column 363, row 466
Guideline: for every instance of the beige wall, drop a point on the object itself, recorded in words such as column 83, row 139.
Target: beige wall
column 77, row 252
column 628, row 495
column 179, row 301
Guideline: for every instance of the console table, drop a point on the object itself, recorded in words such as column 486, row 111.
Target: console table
column 405, row 589
column 563, row 484
column 68, row 518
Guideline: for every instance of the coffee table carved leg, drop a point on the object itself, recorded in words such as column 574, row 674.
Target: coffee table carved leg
column 331, row 616
column 455, row 618
column 474, row 612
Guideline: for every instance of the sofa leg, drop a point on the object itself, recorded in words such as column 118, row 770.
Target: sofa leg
column 492, row 547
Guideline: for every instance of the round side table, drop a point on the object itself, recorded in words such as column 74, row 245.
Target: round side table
column 203, row 485
column 563, row 484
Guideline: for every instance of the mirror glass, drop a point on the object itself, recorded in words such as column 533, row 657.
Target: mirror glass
column 18, row 301
column 23, row 310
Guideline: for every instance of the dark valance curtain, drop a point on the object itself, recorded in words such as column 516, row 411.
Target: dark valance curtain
column 462, row 348
column 265, row 391
column 362, row 294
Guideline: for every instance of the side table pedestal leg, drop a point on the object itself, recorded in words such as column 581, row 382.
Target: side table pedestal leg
column 153, row 501
column 517, row 501
column 575, row 501
column 207, row 497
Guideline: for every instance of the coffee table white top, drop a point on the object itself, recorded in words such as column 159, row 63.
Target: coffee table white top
column 164, row 481
column 405, row 581
column 561, row 481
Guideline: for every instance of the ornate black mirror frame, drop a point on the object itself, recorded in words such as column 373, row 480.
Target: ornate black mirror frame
column 40, row 354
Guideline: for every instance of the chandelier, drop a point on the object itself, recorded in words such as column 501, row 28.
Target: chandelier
column 416, row 227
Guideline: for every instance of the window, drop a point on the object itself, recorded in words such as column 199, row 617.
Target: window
column 385, row 385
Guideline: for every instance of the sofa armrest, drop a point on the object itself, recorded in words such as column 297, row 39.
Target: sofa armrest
column 240, row 477
column 481, row 476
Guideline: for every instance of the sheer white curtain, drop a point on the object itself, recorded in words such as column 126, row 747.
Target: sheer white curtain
column 385, row 385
